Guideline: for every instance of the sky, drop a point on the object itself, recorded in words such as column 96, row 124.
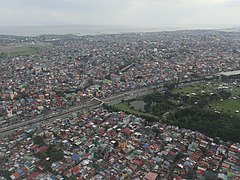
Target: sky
column 134, row 13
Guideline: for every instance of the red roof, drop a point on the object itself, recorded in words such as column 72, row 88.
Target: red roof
column 13, row 150
column 37, row 150
column 200, row 171
column 16, row 174
column 114, row 133
column 89, row 140
column 151, row 176
column 178, row 178
column 172, row 153
column 101, row 131
column 130, row 168
column 44, row 148
column 155, row 146
column 108, row 133
column 89, row 125
column 193, row 158
column 75, row 169
column 127, row 131
column 123, row 113
column 86, row 155
column 33, row 175
column 233, row 149
column 83, row 116
column 138, row 161
column 34, row 146
column 136, row 142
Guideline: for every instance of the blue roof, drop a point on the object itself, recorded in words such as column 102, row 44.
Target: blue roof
column 30, row 99
column 146, row 145
column 76, row 157
column 20, row 171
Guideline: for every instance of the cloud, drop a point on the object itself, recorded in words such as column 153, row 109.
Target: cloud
column 159, row 13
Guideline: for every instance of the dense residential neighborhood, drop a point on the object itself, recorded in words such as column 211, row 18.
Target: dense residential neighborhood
column 104, row 145
column 92, row 144
column 77, row 68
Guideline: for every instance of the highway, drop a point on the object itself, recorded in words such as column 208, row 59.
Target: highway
column 89, row 105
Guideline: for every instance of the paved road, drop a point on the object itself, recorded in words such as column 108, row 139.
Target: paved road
column 87, row 105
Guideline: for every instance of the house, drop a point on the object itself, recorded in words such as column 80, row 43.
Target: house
column 151, row 176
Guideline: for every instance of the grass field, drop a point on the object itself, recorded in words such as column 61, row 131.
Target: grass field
column 21, row 50
column 18, row 51
column 208, row 88
column 227, row 106
column 236, row 91
column 124, row 107
column 196, row 88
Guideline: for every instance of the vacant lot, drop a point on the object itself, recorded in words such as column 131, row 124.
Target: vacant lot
column 125, row 107
column 21, row 50
column 228, row 106
column 17, row 51
column 196, row 88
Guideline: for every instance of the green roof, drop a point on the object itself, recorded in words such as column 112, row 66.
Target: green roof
column 84, row 139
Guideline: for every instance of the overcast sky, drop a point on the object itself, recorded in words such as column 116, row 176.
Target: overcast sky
column 141, row 13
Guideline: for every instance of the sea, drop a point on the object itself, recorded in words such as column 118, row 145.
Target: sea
column 75, row 29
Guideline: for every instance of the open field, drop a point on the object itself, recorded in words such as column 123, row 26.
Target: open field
column 221, row 121
column 196, row 88
column 21, row 50
column 236, row 91
column 227, row 106
column 124, row 107
column 18, row 51
column 206, row 87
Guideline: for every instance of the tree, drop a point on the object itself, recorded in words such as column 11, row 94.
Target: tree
column 56, row 155
column 3, row 55
column 225, row 94
column 107, row 77
column 179, row 156
column 213, row 97
column 5, row 174
column 186, row 98
column 207, row 122
column 38, row 140
column 169, row 86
